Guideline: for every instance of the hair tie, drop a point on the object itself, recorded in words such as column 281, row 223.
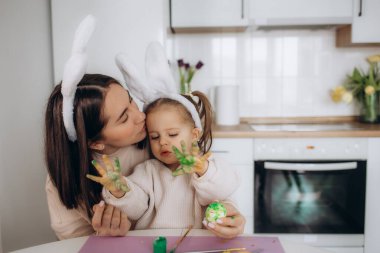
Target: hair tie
column 190, row 94
column 74, row 70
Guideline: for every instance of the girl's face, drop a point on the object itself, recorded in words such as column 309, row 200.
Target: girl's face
column 125, row 122
column 167, row 128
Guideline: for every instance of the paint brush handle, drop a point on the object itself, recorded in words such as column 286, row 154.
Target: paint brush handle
column 217, row 250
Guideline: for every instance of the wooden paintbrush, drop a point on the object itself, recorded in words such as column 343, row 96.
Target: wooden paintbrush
column 180, row 240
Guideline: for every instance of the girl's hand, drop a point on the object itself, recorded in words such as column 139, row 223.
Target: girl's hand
column 109, row 220
column 190, row 163
column 110, row 177
column 230, row 226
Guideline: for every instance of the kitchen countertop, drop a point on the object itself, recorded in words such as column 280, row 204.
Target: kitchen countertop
column 288, row 128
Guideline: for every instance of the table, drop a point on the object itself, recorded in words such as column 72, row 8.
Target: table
column 74, row 245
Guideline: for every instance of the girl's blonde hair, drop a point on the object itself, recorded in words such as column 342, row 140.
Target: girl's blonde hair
column 203, row 108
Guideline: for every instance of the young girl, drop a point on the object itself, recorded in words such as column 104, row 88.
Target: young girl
column 154, row 196
column 157, row 199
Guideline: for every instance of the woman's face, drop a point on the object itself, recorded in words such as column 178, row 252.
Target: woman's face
column 125, row 122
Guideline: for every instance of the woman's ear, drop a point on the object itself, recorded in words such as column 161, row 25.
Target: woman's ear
column 96, row 146
column 196, row 134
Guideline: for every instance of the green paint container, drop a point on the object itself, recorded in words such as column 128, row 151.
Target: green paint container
column 159, row 245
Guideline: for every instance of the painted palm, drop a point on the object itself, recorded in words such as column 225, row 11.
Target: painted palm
column 110, row 176
column 190, row 162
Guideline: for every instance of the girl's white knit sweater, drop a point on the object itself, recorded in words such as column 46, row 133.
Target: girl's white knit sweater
column 159, row 200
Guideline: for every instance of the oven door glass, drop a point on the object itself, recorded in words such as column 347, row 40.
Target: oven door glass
column 309, row 197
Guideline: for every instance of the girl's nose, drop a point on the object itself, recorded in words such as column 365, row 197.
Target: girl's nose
column 163, row 141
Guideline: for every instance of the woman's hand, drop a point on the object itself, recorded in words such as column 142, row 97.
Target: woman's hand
column 110, row 177
column 109, row 220
column 230, row 226
column 192, row 162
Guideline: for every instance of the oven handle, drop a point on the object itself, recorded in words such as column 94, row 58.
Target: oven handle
column 311, row 166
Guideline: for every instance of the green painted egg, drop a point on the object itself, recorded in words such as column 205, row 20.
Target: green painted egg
column 214, row 211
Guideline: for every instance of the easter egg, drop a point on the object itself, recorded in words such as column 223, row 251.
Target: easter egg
column 215, row 211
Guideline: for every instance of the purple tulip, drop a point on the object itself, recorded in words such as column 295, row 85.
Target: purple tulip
column 187, row 66
column 199, row 65
column 180, row 63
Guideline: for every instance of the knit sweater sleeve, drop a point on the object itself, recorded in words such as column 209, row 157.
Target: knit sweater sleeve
column 66, row 223
column 218, row 183
column 135, row 202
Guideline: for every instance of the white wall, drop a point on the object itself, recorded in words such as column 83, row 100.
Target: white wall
column 122, row 26
column 1, row 243
column 26, row 81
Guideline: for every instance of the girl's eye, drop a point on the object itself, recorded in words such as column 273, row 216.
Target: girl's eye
column 153, row 137
column 173, row 135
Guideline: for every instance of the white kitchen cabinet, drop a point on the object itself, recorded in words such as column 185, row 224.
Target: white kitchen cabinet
column 366, row 21
column 344, row 249
column 300, row 12
column 372, row 218
column 239, row 153
column 206, row 14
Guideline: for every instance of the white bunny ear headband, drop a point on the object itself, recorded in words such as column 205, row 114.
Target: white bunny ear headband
column 159, row 81
column 74, row 71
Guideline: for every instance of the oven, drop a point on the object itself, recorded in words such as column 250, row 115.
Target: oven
column 311, row 190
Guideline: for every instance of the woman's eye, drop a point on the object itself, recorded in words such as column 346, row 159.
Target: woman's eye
column 126, row 118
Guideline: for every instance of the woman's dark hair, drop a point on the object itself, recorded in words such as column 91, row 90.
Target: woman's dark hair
column 204, row 110
column 69, row 162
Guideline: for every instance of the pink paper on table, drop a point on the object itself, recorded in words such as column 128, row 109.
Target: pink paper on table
column 142, row 244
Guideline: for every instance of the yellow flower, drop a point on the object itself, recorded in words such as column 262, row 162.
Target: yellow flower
column 369, row 90
column 337, row 94
column 347, row 97
column 373, row 58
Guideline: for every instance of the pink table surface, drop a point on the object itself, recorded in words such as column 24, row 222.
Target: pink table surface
column 142, row 244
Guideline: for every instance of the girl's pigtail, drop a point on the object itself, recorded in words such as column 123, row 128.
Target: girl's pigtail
column 205, row 112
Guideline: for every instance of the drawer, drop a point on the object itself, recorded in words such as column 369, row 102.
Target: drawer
column 235, row 151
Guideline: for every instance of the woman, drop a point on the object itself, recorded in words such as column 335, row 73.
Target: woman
column 106, row 121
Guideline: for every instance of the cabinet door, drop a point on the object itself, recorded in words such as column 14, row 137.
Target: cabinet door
column 243, row 196
column 300, row 12
column 208, row 13
column 239, row 153
column 366, row 21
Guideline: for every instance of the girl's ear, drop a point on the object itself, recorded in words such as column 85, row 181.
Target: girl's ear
column 196, row 134
column 96, row 146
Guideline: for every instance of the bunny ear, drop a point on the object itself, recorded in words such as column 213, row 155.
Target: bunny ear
column 158, row 71
column 83, row 34
column 75, row 68
column 135, row 82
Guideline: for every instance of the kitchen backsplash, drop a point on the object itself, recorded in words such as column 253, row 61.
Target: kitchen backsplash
column 280, row 73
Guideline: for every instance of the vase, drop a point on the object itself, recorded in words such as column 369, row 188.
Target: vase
column 185, row 88
column 370, row 112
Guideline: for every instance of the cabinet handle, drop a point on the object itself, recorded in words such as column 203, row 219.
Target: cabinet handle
column 311, row 166
column 360, row 8
column 242, row 9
